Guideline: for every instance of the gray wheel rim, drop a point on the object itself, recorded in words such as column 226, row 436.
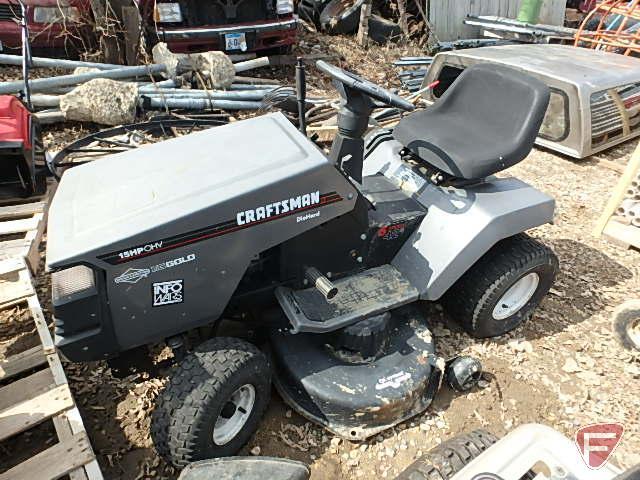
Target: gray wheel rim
column 516, row 297
column 228, row 426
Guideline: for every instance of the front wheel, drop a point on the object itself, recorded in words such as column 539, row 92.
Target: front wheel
column 502, row 289
column 213, row 403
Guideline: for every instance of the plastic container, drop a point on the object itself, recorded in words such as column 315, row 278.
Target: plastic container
column 530, row 11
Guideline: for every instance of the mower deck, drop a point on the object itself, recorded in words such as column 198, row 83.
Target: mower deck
column 360, row 296
column 357, row 397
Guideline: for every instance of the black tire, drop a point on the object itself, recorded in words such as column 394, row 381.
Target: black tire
column 382, row 30
column 448, row 458
column 472, row 299
column 199, row 388
column 310, row 10
column 340, row 17
column 626, row 324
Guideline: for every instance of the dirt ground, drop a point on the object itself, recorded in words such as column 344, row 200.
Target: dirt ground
column 564, row 368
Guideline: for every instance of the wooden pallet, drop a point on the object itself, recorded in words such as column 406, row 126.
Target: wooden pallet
column 622, row 234
column 35, row 387
column 22, row 224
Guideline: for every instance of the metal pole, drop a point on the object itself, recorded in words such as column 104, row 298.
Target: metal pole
column 46, row 101
column 216, row 95
column 43, row 84
column 41, row 62
column 246, row 86
column 251, row 64
column 200, row 104
column 26, row 54
column 156, row 85
column 301, row 95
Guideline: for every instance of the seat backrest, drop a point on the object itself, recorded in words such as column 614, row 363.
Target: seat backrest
column 501, row 103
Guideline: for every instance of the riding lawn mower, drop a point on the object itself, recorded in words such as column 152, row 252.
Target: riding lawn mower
column 327, row 260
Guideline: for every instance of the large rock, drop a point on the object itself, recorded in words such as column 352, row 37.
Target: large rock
column 103, row 101
column 215, row 66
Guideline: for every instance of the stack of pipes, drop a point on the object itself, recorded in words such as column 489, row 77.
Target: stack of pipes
column 244, row 93
column 629, row 209
column 413, row 76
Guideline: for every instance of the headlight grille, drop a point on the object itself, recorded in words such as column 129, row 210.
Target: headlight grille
column 71, row 281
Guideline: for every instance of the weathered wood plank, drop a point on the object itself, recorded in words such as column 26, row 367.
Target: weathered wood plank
column 15, row 287
column 10, row 265
column 12, row 212
column 32, row 256
column 25, row 388
column 18, row 226
column 41, row 325
column 21, row 362
column 25, row 415
column 55, row 462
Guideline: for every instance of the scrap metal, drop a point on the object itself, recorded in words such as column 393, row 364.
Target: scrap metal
column 508, row 28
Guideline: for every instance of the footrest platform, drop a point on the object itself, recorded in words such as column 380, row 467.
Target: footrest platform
column 368, row 293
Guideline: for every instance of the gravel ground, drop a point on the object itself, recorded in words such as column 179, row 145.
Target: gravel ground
column 564, row 368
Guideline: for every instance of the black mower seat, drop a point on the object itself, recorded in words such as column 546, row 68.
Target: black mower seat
column 486, row 121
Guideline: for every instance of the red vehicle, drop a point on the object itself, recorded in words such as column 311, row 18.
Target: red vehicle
column 22, row 159
column 233, row 26
column 53, row 24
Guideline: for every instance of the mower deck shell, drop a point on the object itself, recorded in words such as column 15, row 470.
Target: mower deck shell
column 357, row 399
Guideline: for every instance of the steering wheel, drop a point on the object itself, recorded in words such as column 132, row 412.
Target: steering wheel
column 370, row 89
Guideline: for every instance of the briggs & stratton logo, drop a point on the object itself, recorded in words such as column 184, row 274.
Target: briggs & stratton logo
column 597, row 442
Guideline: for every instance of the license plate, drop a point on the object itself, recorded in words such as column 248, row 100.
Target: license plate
column 235, row 41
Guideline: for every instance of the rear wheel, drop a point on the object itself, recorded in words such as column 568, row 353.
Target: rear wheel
column 213, row 403
column 448, row 458
column 503, row 288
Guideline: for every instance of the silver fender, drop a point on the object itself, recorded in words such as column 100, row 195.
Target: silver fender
column 461, row 225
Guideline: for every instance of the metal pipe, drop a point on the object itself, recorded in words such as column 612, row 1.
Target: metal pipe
column 251, row 64
column 199, row 104
column 46, row 101
column 43, row 62
column 27, row 59
column 43, row 84
column 142, row 87
column 301, row 95
column 252, row 80
column 155, row 85
column 216, row 95
column 322, row 283
column 246, row 86
column 47, row 118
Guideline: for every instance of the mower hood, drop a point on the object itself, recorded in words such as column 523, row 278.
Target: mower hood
column 132, row 198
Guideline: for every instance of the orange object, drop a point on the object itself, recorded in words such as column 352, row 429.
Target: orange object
column 618, row 28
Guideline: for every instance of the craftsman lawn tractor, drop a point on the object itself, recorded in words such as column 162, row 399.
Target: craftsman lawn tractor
column 324, row 260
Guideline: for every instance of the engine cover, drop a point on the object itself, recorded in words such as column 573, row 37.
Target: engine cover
column 169, row 230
